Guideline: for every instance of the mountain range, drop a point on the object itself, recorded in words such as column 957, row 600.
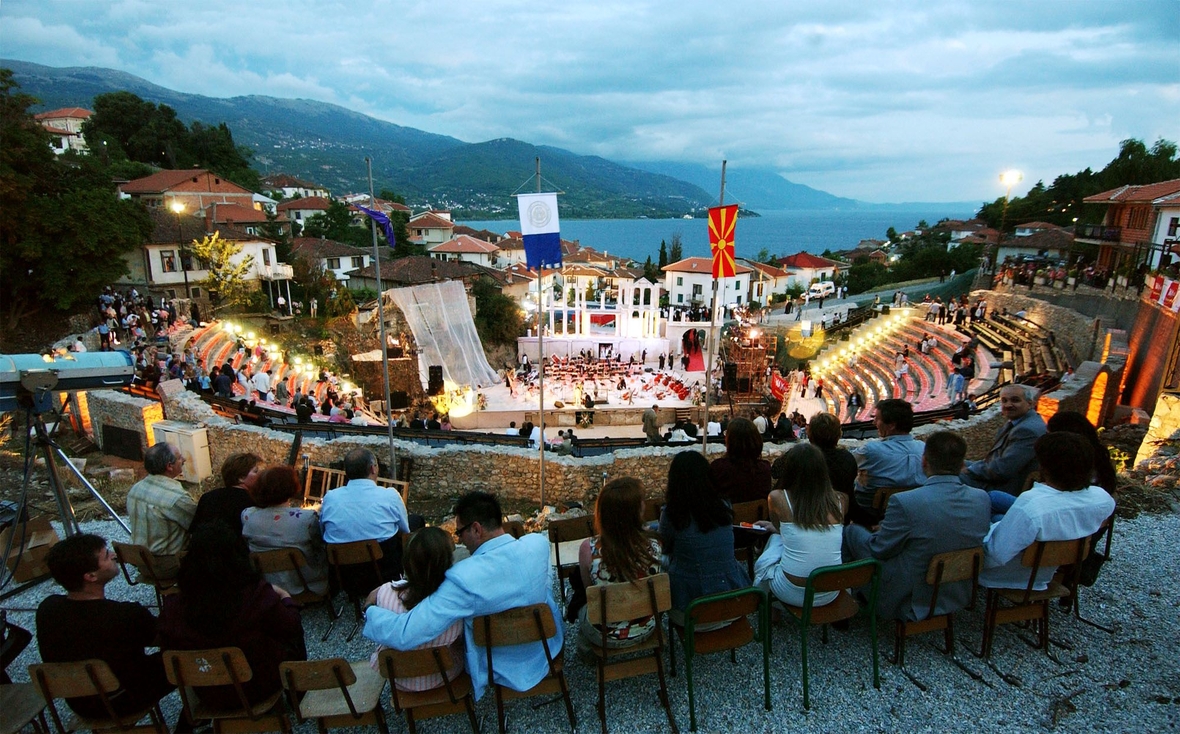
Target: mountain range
column 327, row 144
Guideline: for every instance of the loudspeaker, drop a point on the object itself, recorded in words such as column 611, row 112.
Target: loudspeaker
column 743, row 385
column 399, row 400
column 729, row 376
column 435, row 385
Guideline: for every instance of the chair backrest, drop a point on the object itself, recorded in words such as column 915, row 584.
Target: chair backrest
column 316, row 675
column 951, row 567
column 218, row 666
column 278, row 560
column 515, row 528
column 843, row 576
column 651, row 510
column 749, row 511
column 609, row 603
column 571, row 528
column 139, row 557
column 515, row 626
column 359, row 551
column 73, row 680
column 415, row 663
column 1055, row 553
column 882, row 495
column 725, row 605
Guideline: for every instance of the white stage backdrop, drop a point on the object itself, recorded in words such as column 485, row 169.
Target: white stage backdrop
column 441, row 320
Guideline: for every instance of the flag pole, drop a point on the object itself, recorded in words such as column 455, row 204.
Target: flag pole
column 712, row 339
column 541, row 353
column 381, row 320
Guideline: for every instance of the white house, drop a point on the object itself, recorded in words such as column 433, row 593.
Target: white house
column 467, row 249
column 65, row 125
column 337, row 257
column 766, row 281
column 430, row 229
column 298, row 211
column 803, row 268
column 690, row 282
column 289, row 187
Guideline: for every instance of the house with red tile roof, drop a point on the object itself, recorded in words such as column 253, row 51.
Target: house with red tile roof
column 415, row 270
column 430, row 228
column 466, row 248
column 805, row 268
column 766, row 281
column 1141, row 226
column 339, row 258
column 298, row 211
column 65, row 125
column 690, row 282
column 286, row 186
column 193, row 190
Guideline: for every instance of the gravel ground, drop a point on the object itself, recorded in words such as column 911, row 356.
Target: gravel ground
column 1128, row 681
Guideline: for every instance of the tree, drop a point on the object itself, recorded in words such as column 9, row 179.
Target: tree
column 650, row 271
column 337, row 224
column 676, row 252
column 275, row 231
column 497, row 317
column 310, row 274
column 226, row 282
column 390, row 195
column 663, row 254
column 891, row 234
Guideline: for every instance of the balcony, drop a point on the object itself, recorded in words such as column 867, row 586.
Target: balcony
column 278, row 271
column 1099, row 232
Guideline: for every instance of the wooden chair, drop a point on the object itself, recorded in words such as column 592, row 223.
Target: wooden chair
column 22, row 705
column 1105, row 531
column 744, row 542
column 944, row 568
column 882, row 495
column 564, row 531
column 519, row 626
column 609, row 603
column 452, row 697
column 1030, row 605
column 515, row 528
column 147, row 567
column 335, row 693
column 290, row 561
column 728, row 605
column 865, row 573
column 357, row 567
column 89, row 678
column 190, row 670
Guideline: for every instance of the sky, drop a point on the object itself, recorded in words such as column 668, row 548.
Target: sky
column 924, row 100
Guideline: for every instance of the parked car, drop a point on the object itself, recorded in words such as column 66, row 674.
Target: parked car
column 822, row 289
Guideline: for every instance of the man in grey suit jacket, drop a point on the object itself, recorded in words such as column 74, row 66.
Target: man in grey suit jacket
column 941, row 515
column 1011, row 458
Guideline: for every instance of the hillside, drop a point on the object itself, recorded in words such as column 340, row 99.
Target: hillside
column 327, row 144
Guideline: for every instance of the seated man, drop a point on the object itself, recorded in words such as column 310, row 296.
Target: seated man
column 941, row 515
column 1062, row 506
column 893, row 461
column 362, row 510
column 84, row 624
column 502, row 573
column 160, row 509
column 1011, row 457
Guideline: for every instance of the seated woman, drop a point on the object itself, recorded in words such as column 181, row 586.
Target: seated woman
column 696, row 531
column 239, row 472
column 273, row 522
column 807, row 519
column 619, row 552
column 429, row 554
column 742, row 475
column 224, row 602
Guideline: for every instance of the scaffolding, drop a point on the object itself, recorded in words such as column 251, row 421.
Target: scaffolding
column 747, row 353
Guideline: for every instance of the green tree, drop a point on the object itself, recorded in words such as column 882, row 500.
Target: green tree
column 891, row 233
column 663, row 254
column 650, row 271
column 226, row 281
column 390, row 195
column 497, row 317
column 275, row 231
column 311, row 276
column 337, row 224
column 676, row 251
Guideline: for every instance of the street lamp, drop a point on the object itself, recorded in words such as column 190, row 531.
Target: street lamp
column 1009, row 179
column 178, row 209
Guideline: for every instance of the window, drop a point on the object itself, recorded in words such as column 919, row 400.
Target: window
column 759, row 290
column 170, row 293
column 333, row 263
column 1138, row 218
column 1173, row 226
column 196, row 292
column 168, row 261
column 679, row 280
column 358, row 261
column 298, row 216
column 266, row 256
column 680, row 298
column 697, row 289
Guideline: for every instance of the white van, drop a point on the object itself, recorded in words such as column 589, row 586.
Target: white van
column 822, row 289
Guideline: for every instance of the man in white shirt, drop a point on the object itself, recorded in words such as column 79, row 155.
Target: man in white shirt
column 512, row 430
column 262, row 385
column 1062, row 506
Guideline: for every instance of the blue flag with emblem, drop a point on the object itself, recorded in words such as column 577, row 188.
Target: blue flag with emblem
column 541, row 229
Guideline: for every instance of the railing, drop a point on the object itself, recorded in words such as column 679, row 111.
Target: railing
column 1099, row 232
column 321, row 479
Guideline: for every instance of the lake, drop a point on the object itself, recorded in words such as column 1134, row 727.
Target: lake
column 779, row 232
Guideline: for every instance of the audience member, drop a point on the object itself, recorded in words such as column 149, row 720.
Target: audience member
column 1011, row 457
column 696, row 528
column 824, row 431
column 429, row 556
column 806, row 525
column 159, row 508
column 941, row 515
column 85, row 625
column 276, row 521
column 1062, row 506
column 893, row 461
column 651, row 425
column 619, row 552
column 502, row 573
column 224, row 602
column 1072, row 421
column 742, row 475
column 362, row 510
column 239, row 473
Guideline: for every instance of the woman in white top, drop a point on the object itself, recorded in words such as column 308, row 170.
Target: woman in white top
column 807, row 519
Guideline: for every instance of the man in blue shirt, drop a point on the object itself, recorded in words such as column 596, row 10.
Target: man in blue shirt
column 362, row 510
column 502, row 573
column 893, row 461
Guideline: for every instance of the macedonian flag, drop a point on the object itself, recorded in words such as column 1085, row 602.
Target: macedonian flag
column 721, row 223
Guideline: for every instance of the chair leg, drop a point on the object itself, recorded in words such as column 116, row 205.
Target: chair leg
column 876, row 655
column 470, row 706
column 413, row 726
column 949, row 635
column 899, row 643
column 692, row 707
column 671, row 648
column 602, row 694
column 500, row 720
column 569, row 704
column 664, row 699
column 989, row 629
column 381, row 722
column 803, row 667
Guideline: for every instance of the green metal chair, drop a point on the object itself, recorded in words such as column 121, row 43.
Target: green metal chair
column 866, row 574
column 728, row 605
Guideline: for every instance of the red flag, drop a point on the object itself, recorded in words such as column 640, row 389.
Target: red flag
column 778, row 386
column 721, row 223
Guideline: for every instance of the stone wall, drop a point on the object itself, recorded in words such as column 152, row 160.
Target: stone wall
column 1080, row 336
column 1164, row 426
column 111, row 408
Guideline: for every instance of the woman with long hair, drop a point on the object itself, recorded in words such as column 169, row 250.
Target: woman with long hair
column 224, row 602
column 274, row 522
column 807, row 519
column 696, row 529
column 620, row 551
column 429, row 554
column 742, row 475
column 239, row 472
column 1074, row 422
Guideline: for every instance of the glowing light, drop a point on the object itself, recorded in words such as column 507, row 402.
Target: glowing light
column 251, row 335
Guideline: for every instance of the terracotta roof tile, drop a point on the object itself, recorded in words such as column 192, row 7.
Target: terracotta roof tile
column 63, row 112
column 700, row 265
column 1143, row 194
column 319, row 247
column 306, row 203
column 466, row 244
column 805, row 260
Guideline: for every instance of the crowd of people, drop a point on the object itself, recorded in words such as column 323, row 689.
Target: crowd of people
column 818, row 500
